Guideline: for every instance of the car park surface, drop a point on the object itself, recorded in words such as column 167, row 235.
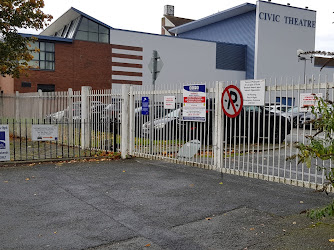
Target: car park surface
column 139, row 203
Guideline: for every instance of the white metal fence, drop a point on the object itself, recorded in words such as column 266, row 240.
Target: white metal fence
column 254, row 144
column 87, row 122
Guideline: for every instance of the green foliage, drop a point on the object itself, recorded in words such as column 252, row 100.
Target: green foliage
column 322, row 212
column 320, row 147
column 16, row 14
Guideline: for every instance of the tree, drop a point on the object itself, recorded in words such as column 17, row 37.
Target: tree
column 14, row 48
column 320, row 146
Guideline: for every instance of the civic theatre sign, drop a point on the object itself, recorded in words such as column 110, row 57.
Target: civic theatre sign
column 287, row 20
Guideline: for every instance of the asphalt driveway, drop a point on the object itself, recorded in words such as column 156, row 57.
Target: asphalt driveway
column 145, row 204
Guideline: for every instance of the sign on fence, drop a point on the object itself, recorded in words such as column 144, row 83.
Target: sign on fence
column 232, row 101
column 253, row 92
column 169, row 102
column 194, row 98
column 307, row 100
column 4, row 143
column 145, row 108
column 44, row 132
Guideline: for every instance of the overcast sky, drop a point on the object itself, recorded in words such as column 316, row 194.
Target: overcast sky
column 145, row 15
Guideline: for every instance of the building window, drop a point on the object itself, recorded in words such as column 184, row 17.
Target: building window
column 46, row 87
column 91, row 31
column 26, row 84
column 44, row 59
column 231, row 56
column 68, row 30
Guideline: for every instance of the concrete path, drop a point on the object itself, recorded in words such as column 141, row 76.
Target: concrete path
column 144, row 204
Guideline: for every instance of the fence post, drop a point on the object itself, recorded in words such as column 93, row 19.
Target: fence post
column 70, row 116
column 125, row 121
column 40, row 104
column 218, row 128
column 17, row 110
column 131, row 120
column 85, row 130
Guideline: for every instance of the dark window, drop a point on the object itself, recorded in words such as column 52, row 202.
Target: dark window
column 46, row 87
column 43, row 55
column 231, row 56
column 92, row 31
column 26, row 84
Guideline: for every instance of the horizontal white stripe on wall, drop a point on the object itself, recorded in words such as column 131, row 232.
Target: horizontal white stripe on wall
column 130, row 78
column 114, row 68
column 126, row 60
column 127, row 52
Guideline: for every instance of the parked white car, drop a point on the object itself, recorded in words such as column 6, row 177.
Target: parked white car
column 279, row 109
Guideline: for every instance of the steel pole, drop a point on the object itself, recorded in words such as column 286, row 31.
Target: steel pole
column 152, row 111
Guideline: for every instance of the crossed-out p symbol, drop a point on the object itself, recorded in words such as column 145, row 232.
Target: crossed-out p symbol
column 232, row 101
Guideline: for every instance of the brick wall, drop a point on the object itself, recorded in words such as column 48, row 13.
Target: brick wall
column 77, row 64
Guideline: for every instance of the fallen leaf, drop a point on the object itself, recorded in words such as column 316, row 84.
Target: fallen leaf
column 147, row 245
column 252, row 229
column 331, row 240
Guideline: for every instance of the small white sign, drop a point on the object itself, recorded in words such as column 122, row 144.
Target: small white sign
column 253, row 92
column 307, row 100
column 44, row 132
column 169, row 102
column 4, row 143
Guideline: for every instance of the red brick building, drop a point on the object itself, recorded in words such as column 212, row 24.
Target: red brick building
column 76, row 64
column 75, row 51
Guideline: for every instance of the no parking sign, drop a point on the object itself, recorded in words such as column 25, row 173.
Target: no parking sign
column 232, row 101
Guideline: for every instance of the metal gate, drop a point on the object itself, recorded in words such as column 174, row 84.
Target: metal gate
column 255, row 144
column 87, row 123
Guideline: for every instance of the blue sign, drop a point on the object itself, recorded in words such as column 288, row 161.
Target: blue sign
column 145, row 109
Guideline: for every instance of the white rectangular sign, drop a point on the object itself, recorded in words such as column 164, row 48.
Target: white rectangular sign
column 169, row 102
column 43, row 132
column 4, row 143
column 253, row 92
column 194, row 100
column 307, row 100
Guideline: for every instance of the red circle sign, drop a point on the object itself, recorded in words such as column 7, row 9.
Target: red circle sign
column 232, row 101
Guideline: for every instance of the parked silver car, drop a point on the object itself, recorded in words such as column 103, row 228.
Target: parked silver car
column 294, row 114
column 307, row 118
